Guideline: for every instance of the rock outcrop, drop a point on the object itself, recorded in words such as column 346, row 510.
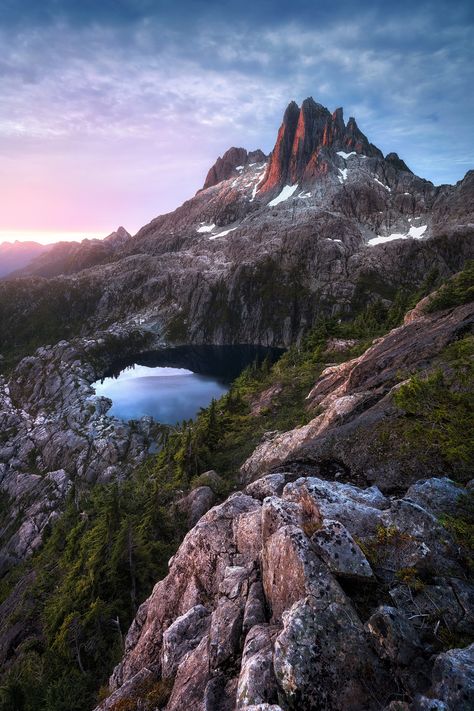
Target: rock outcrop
column 232, row 163
column 56, row 431
column 263, row 605
column 299, row 155
column 354, row 399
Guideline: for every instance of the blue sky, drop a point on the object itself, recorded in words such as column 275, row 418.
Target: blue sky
column 113, row 110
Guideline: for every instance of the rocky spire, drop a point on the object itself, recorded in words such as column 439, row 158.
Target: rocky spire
column 279, row 161
column 397, row 162
column 303, row 134
column 355, row 140
column 313, row 123
column 224, row 167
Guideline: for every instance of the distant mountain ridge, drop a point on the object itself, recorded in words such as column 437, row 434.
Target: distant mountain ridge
column 72, row 257
column 17, row 255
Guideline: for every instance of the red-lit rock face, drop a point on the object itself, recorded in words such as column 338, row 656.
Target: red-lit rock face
column 279, row 163
column 302, row 135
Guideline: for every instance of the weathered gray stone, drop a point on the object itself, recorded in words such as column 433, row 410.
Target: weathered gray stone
column 423, row 703
column 182, row 637
column 393, row 635
column 191, row 680
column 254, row 613
column 270, row 485
column 336, row 547
column 196, row 504
column 322, row 660
column 257, row 684
column 438, row 496
column 291, row 570
column 225, row 631
column 276, row 513
column 453, row 678
column 250, row 564
column 130, row 692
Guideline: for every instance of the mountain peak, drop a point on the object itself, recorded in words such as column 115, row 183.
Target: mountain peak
column 303, row 134
column 226, row 165
column 118, row 237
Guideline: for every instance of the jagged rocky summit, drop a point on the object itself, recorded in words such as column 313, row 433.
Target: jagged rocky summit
column 323, row 225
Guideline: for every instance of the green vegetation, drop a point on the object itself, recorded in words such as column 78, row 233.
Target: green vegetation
column 438, row 407
column 103, row 555
column 57, row 309
column 99, row 562
column 461, row 527
column 458, row 290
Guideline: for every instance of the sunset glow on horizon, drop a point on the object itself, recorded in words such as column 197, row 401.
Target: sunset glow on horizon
column 113, row 112
column 44, row 237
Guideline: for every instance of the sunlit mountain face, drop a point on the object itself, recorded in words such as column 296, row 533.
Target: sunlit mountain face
column 111, row 112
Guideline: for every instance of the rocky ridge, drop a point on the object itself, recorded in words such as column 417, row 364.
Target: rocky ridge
column 15, row 255
column 355, row 401
column 73, row 257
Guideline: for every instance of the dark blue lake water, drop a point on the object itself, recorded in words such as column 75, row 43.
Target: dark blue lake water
column 169, row 395
column 173, row 384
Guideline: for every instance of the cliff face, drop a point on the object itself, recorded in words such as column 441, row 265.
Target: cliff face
column 306, row 591
column 56, row 433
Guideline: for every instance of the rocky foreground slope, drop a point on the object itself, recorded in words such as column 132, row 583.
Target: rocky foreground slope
column 55, row 432
column 301, row 593
column 307, row 591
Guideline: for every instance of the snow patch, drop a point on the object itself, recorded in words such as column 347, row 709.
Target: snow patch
column 222, row 234
column 417, row 232
column 304, row 196
column 259, row 182
column 383, row 185
column 206, row 228
column 413, row 232
column 239, row 167
column 346, row 155
column 286, row 193
column 343, row 172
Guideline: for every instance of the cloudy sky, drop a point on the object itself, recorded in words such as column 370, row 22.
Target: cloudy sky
column 112, row 111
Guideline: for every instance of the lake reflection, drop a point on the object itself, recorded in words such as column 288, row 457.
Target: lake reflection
column 169, row 395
